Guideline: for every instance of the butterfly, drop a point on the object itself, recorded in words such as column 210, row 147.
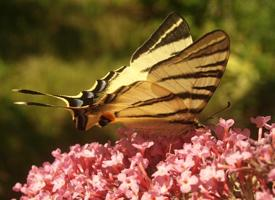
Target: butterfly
column 167, row 84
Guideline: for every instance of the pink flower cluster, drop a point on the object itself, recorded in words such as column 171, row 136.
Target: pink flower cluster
column 224, row 163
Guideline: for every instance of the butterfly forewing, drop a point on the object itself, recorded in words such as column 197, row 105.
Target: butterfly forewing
column 172, row 36
column 195, row 72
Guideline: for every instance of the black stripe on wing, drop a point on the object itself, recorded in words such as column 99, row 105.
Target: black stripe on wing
column 171, row 96
column 212, row 65
column 103, row 83
column 210, row 88
column 191, row 95
column 216, row 47
column 200, row 51
column 154, row 100
column 160, row 115
column 204, row 74
column 87, row 97
column 164, row 35
column 109, row 98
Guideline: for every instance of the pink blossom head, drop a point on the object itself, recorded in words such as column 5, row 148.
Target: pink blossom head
column 223, row 128
column 260, row 121
column 139, row 167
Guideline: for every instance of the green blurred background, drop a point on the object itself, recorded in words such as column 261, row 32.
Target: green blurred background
column 63, row 46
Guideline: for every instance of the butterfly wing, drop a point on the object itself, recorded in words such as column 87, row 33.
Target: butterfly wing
column 195, row 72
column 176, row 90
column 172, row 36
column 148, row 106
column 169, row 81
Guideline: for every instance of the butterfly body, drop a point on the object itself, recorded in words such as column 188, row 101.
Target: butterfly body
column 168, row 83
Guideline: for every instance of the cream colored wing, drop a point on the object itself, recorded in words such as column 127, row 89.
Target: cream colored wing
column 176, row 90
column 171, row 37
column 194, row 73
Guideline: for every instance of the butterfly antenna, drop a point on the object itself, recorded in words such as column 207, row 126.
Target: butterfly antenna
column 219, row 111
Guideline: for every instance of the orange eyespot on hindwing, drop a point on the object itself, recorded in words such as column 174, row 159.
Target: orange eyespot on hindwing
column 106, row 118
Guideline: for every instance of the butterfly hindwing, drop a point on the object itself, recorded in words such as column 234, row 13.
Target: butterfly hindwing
column 145, row 105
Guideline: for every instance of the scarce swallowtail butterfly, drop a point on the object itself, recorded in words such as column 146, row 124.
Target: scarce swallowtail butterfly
column 167, row 84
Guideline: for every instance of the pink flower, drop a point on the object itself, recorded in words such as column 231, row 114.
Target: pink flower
column 99, row 182
column 142, row 144
column 264, row 196
column 116, row 160
column 210, row 172
column 272, row 133
column 17, row 187
column 223, row 127
column 192, row 166
column 235, row 157
column 184, row 164
column 128, row 183
column 138, row 160
column 163, row 169
column 153, row 196
column 37, row 180
column 260, row 121
column 226, row 124
column 186, row 181
column 271, row 175
column 146, row 196
column 162, row 184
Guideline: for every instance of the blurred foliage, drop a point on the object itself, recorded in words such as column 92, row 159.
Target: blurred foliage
column 62, row 46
